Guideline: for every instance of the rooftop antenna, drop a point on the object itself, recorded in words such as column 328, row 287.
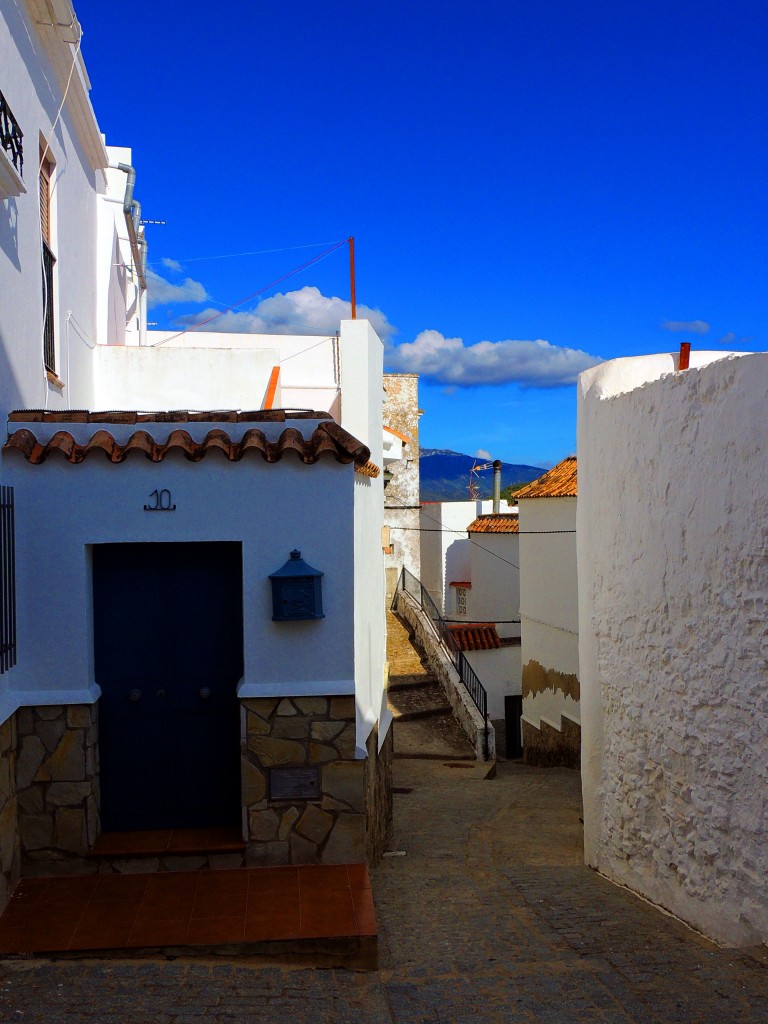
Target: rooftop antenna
column 474, row 479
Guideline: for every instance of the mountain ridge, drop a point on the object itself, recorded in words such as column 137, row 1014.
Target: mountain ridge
column 444, row 475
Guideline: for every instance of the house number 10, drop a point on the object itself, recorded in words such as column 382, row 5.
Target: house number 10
column 160, row 501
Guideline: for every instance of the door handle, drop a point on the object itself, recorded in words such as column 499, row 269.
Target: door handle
column 205, row 693
column 134, row 695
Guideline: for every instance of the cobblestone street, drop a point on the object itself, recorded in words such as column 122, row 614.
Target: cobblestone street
column 488, row 917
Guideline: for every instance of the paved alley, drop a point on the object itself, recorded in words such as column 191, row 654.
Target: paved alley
column 488, row 917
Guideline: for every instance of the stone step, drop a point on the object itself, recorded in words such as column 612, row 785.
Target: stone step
column 418, row 702
column 411, row 682
column 438, row 736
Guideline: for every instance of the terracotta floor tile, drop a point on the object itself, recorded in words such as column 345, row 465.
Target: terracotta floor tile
column 8, row 940
column 358, row 876
column 317, row 923
column 365, row 918
column 282, row 925
column 103, row 935
column 323, row 876
column 165, row 908
column 29, row 889
column 225, row 838
column 215, row 930
column 44, row 937
column 118, row 888
column 158, row 933
column 218, row 905
column 192, row 839
column 273, row 879
column 17, row 914
column 171, row 883
column 107, row 912
column 132, row 843
column 335, row 902
column 69, row 890
column 275, row 903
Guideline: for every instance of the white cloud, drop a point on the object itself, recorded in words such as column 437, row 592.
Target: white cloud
column 534, row 364
column 481, row 453
column 161, row 292
column 304, row 310
column 691, row 326
column 170, row 264
column 728, row 339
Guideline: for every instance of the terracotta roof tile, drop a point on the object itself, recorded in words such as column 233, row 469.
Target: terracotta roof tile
column 328, row 438
column 173, row 416
column 403, row 437
column 467, row 584
column 475, row 636
column 559, row 482
column 369, row 469
column 495, row 522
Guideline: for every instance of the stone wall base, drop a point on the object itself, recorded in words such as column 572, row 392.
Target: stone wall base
column 10, row 847
column 549, row 748
column 378, row 796
column 346, row 818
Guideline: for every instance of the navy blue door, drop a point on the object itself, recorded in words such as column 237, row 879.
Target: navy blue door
column 168, row 642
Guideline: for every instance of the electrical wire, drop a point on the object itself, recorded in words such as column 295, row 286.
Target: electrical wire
column 253, row 295
column 234, row 255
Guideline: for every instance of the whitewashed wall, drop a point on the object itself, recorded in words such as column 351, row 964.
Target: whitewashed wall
column 499, row 672
column 674, row 638
column 549, row 603
column 401, row 495
column 62, row 509
column 445, row 545
column 29, row 84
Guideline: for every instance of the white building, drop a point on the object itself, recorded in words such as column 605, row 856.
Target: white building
column 153, row 674
column 550, row 618
column 445, row 549
column 673, row 588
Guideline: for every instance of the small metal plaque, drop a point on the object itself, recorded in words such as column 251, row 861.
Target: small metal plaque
column 294, row 784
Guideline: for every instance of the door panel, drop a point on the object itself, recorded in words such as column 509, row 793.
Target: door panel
column 168, row 639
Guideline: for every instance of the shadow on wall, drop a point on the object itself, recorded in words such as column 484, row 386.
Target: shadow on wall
column 10, row 392
column 9, row 231
column 457, row 567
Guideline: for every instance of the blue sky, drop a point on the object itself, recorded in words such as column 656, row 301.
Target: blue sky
column 587, row 175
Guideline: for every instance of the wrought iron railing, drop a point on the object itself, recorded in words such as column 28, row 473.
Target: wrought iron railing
column 7, row 581
column 411, row 585
column 49, row 342
column 11, row 136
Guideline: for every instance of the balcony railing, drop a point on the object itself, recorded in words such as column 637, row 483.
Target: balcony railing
column 11, row 136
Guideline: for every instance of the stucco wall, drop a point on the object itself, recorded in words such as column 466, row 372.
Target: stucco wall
column 674, row 642
column 445, row 545
column 549, row 614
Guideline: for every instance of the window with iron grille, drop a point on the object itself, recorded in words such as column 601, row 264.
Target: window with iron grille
column 49, row 261
column 7, row 581
column 11, row 136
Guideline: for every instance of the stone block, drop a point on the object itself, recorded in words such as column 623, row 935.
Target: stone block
column 25, row 721
column 324, row 732
column 320, row 753
column 79, row 716
column 261, row 706
column 312, row 705
column 225, row 861
column 346, row 843
column 255, row 726
column 6, row 736
column 254, row 783
column 314, row 824
column 30, row 800
column 288, row 820
column 343, row 781
column 263, row 854
column 291, row 728
column 31, row 755
column 143, row 865
column 342, row 707
column 36, row 831
column 303, row 851
column 263, row 825
column 329, row 804
column 271, row 752
column 346, row 743
column 66, row 763
column 91, row 820
column 7, row 836
column 7, row 787
column 285, row 707
column 51, row 732
column 49, row 711
column 67, row 794
column 69, row 833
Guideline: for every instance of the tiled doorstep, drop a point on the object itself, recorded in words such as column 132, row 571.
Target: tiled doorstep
column 188, row 908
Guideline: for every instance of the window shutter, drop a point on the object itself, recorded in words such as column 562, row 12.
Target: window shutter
column 45, row 200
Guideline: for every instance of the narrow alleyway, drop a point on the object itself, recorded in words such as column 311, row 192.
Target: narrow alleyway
column 424, row 723
column 489, row 917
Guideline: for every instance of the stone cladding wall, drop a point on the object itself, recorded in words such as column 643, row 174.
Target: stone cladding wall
column 10, row 848
column 301, row 732
column 401, row 493
column 57, row 785
column 378, row 796
column 548, row 747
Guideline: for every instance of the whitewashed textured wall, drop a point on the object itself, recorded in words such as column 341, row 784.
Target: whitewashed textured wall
column 673, row 587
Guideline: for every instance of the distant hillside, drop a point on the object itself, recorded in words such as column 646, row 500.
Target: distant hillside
column 445, row 475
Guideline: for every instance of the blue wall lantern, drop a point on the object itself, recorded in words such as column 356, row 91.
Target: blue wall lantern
column 297, row 591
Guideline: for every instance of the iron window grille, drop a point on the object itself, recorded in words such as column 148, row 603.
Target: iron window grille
column 11, row 136
column 49, row 347
column 7, row 581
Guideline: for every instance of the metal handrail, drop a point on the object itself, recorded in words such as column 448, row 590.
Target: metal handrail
column 477, row 692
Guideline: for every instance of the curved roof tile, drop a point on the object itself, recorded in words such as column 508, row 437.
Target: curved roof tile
column 559, row 482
